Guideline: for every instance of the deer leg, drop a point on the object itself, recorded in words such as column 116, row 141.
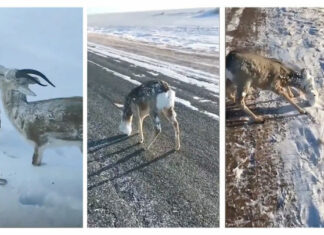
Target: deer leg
column 157, row 128
column 37, row 157
column 231, row 95
column 141, row 117
column 281, row 91
column 172, row 117
column 140, row 129
column 230, row 90
column 291, row 95
column 241, row 102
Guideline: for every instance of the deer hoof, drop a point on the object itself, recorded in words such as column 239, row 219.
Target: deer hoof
column 302, row 111
column 259, row 119
column 177, row 148
column 36, row 163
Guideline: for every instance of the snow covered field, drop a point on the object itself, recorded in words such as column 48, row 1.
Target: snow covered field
column 304, row 159
column 195, row 29
column 295, row 36
column 49, row 195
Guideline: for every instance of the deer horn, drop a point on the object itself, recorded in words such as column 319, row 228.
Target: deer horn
column 26, row 73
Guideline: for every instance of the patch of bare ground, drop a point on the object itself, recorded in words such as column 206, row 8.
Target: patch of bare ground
column 207, row 62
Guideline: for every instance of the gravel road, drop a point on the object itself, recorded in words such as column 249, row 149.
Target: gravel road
column 129, row 186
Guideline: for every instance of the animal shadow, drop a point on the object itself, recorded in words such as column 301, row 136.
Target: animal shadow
column 96, row 145
column 234, row 114
column 125, row 159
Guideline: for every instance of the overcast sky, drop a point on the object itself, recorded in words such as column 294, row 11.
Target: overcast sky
column 46, row 39
column 98, row 6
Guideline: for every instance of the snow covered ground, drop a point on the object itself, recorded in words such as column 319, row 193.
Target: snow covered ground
column 195, row 29
column 49, row 195
column 295, row 36
column 184, row 74
column 304, row 159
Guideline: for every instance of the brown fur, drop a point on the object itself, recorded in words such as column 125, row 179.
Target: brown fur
column 251, row 70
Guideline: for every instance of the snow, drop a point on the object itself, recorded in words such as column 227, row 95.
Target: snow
column 139, row 75
column 294, row 35
column 153, row 74
column 234, row 23
column 49, row 195
column 177, row 99
column 119, row 105
column 127, row 78
column 184, row 74
column 188, row 31
column 191, row 29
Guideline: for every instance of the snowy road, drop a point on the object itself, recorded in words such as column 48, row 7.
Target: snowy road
column 130, row 187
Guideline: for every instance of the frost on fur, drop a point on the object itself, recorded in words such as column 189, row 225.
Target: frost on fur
column 309, row 84
column 165, row 100
column 125, row 127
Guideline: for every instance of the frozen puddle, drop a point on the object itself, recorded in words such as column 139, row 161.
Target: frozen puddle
column 137, row 83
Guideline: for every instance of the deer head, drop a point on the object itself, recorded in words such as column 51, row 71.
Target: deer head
column 306, row 83
column 19, row 80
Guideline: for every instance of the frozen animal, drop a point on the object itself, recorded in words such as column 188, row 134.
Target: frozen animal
column 46, row 122
column 150, row 99
column 246, row 70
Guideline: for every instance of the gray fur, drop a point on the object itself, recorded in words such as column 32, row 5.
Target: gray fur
column 248, row 70
column 42, row 122
column 142, row 100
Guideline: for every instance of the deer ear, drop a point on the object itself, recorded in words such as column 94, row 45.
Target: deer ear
column 25, row 90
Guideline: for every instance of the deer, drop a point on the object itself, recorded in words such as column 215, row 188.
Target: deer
column 46, row 122
column 151, row 98
column 246, row 70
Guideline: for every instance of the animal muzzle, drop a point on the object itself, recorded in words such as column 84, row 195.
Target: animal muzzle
column 125, row 127
column 312, row 97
